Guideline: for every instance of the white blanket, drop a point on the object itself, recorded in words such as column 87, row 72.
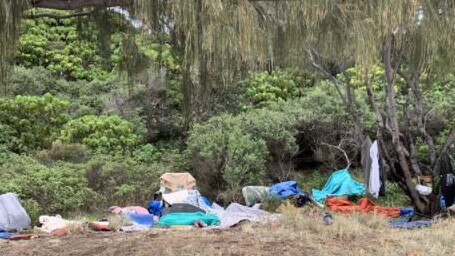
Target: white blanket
column 236, row 213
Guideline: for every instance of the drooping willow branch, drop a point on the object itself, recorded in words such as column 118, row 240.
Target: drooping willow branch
column 76, row 4
column 55, row 16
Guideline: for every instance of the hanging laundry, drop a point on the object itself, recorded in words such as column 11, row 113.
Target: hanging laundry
column 374, row 182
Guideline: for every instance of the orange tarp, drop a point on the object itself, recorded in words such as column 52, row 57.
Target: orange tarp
column 365, row 205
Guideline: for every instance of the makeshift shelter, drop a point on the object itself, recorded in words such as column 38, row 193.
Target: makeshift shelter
column 340, row 183
column 12, row 215
column 171, row 182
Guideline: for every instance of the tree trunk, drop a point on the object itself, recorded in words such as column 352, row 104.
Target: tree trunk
column 422, row 204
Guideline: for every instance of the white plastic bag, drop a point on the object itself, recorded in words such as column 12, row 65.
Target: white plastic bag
column 423, row 190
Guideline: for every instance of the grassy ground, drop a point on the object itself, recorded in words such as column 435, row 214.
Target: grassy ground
column 301, row 232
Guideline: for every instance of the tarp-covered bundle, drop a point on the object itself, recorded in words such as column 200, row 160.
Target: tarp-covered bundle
column 12, row 215
column 365, row 205
column 254, row 194
column 192, row 197
column 171, row 182
column 340, row 183
column 236, row 213
column 178, row 219
column 285, row 189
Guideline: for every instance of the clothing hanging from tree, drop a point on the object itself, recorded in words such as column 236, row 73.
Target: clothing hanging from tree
column 374, row 182
column 374, row 168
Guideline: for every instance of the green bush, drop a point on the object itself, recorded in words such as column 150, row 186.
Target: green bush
column 70, row 188
column 277, row 85
column 59, row 189
column 33, row 122
column 73, row 153
column 258, row 146
column 121, row 180
column 34, row 82
column 105, row 133
column 59, row 47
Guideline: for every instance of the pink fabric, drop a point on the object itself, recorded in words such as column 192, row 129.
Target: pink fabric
column 134, row 209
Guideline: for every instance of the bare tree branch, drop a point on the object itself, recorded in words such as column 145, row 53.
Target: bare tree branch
column 348, row 162
column 413, row 83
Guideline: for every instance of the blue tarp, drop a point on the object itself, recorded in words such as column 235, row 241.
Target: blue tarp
column 155, row 207
column 285, row 189
column 206, row 201
column 5, row 235
column 141, row 219
column 410, row 224
column 340, row 183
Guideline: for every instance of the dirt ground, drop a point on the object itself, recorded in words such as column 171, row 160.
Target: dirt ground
column 172, row 242
column 296, row 234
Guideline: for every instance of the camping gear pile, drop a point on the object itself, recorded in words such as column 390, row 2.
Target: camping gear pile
column 179, row 203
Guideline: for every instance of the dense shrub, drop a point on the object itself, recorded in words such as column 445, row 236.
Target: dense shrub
column 34, row 82
column 225, row 158
column 33, row 122
column 63, row 50
column 277, row 85
column 258, row 146
column 121, row 180
column 94, row 184
column 73, row 153
column 103, row 133
column 59, row 189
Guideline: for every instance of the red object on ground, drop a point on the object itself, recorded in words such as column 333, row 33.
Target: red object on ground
column 365, row 205
column 60, row 232
column 20, row 236
column 100, row 226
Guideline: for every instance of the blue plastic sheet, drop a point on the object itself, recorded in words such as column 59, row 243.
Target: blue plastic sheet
column 206, row 201
column 340, row 183
column 410, row 224
column 155, row 207
column 5, row 235
column 285, row 189
column 406, row 211
column 141, row 219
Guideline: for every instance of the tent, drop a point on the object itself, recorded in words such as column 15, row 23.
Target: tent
column 173, row 181
column 12, row 215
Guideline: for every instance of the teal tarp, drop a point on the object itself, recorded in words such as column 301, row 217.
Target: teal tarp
column 173, row 219
column 340, row 183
